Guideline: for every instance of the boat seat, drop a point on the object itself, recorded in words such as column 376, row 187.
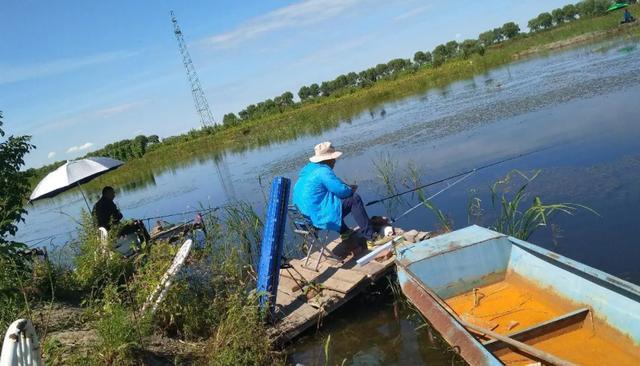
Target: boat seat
column 122, row 245
column 310, row 234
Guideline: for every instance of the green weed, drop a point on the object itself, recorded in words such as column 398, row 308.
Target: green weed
column 514, row 218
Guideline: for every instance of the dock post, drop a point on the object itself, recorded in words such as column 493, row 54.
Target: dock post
column 272, row 243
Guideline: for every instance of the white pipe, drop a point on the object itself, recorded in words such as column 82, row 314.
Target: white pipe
column 374, row 253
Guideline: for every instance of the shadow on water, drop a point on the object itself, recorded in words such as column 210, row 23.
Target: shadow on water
column 388, row 333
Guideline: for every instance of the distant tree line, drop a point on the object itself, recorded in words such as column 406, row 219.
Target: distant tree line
column 127, row 149
column 346, row 83
column 122, row 150
column 435, row 58
column 569, row 13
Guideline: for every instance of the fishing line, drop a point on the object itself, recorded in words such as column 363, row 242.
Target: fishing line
column 181, row 213
column 456, row 176
column 432, row 196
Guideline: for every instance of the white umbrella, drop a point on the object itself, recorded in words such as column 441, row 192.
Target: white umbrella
column 73, row 173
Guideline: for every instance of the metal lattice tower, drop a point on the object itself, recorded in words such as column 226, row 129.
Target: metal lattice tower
column 199, row 99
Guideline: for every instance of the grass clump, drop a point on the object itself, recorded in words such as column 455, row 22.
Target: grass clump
column 235, row 343
column 120, row 333
column 512, row 216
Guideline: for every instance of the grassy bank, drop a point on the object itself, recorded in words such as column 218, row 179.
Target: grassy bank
column 93, row 314
column 315, row 116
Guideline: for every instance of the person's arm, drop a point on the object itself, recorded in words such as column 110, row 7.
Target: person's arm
column 114, row 213
column 335, row 185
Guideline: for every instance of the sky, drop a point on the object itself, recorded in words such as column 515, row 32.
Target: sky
column 77, row 75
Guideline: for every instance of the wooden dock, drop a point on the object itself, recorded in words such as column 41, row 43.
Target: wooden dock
column 306, row 296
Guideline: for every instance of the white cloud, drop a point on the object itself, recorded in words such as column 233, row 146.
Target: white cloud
column 412, row 13
column 337, row 50
column 13, row 73
column 51, row 155
column 295, row 15
column 458, row 36
column 108, row 112
column 84, row 146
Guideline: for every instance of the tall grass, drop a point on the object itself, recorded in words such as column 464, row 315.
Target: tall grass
column 521, row 222
column 212, row 301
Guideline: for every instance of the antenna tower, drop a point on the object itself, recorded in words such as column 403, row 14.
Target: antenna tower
column 199, row 99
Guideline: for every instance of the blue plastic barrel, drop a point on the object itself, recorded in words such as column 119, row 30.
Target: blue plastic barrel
column 272, row 242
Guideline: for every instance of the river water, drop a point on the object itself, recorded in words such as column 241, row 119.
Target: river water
column 580, row 107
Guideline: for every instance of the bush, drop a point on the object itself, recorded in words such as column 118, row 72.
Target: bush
column 241, row 337
column 96, row 265
column 120, row 336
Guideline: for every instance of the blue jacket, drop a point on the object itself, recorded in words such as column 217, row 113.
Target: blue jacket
column 317, row 194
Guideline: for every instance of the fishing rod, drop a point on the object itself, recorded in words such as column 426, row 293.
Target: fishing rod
column 181, row 213
column 431, row 197
column 456, row 176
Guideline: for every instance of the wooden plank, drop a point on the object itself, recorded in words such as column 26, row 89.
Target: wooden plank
column 542, row 329
column 529, row 350
column 324, row 273
column 371, row 269
column 288, row 286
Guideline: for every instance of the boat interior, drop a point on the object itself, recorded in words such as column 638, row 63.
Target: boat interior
column 539, row 298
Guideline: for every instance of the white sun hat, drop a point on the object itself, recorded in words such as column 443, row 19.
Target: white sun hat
column 324, row 151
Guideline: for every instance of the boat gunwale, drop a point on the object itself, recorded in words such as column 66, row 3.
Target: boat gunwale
column 454, row 332
column 588, row 273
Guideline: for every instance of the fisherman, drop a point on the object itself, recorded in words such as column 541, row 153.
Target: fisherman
column 628, row 18
column 325, row 199
column 106, row 215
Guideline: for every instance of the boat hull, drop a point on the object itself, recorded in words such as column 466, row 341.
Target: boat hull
column 449, row 276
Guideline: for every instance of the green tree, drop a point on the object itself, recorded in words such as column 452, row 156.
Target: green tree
column 381, row 71
column 420, row 58
column 14, row 187
column 304, row 92
column 367, row 77
column 534, row 25
column 427, row 56
column 498, row 36
column 510, row 30
column 452, row 49
column 352, row 79
column 439, row 55
column 440, row 51
column 469, row 47
column 590, row 8
column 487, row 38
column 230, row 119
column 570, row 12
column 545, row 20
column 558, row 16
column 314, row 90
column 398, row 64
column 325, row 88
column 286, row 99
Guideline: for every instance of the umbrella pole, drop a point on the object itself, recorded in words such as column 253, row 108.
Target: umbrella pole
column 84, row 197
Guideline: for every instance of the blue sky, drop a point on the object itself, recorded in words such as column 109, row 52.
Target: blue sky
column 77, row 75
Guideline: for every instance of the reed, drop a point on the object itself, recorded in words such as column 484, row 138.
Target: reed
column 513, row 217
